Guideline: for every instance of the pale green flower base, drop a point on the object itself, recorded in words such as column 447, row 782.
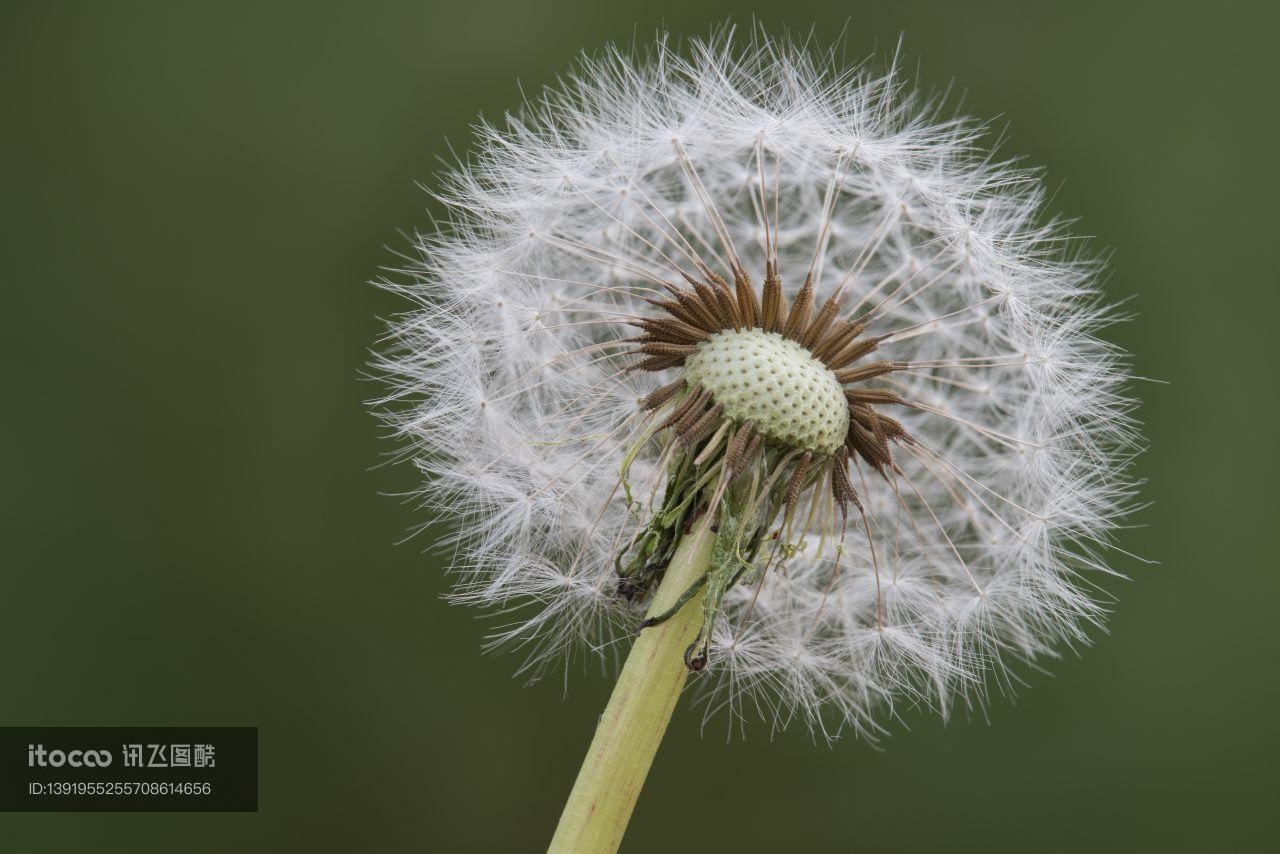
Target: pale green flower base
column 776, row 384
column 633, row 723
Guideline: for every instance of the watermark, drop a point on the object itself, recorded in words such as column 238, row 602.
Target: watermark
column 79, row 769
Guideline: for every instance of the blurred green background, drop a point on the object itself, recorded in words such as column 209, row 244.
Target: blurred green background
column 191, row 529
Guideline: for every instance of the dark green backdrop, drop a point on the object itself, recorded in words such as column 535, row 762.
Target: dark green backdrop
column 191, row 529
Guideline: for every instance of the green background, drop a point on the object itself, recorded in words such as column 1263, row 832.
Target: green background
column 191, row 524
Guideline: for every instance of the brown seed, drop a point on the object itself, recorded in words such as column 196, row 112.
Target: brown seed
column 866, row 372
column 855, row 351
column 663, row 348
column 841, row 486
column 821, row 323
column 702, row 428
column 659, row 398
column 697, row 399
column 797, row 481
column 674, row 330
column 774, row 304
column 798, row 318
column 691, row 302
column 728, row 306
column 748, row 308
column 734, row 458
column 654, row 363
column 874, row 395
column 709, row 307
column 842, row 336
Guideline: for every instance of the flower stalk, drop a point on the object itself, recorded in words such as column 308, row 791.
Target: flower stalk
column 636, row 716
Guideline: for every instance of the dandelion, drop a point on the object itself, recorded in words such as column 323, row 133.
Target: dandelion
column 767, row 364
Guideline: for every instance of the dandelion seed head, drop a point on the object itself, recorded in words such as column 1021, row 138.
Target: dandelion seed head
column 738, row 278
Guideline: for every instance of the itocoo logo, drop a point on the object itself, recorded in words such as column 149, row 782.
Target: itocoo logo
column 38, row 756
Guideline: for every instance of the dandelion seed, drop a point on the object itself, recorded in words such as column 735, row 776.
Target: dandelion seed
column 745, row 294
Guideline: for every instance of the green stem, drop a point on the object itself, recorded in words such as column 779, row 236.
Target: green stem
column 631, row 728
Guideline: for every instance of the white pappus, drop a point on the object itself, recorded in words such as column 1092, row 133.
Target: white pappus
column 644, row 207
